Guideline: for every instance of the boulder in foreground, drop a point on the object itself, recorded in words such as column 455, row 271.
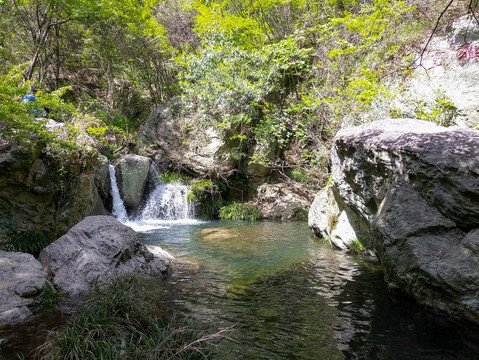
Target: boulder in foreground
column 22, row 278
column 95, row 250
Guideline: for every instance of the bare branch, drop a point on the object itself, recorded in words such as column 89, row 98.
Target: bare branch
column 434, row 31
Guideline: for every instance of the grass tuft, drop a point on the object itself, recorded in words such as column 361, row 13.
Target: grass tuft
column 355, row 247
column 28, row 242
column 120, row 321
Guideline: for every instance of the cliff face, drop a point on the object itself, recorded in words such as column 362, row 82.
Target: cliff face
column 410, row 191
column 35, row 197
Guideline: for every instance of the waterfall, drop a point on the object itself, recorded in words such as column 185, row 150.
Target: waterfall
column 168, row 202
column 118, row 210
column 165, row 205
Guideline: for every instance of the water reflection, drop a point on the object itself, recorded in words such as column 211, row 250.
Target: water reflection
column 293, row 297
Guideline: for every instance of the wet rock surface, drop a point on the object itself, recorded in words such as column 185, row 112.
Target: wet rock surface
column 132, row 175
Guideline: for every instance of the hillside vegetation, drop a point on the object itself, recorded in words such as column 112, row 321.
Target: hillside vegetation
column 278, row 76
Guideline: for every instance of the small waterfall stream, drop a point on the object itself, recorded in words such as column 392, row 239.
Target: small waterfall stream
column 166, row 203
column 118, row 209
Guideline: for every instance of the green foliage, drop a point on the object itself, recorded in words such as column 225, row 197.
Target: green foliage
column 280, row 87
column 276, row 78
column 442, row 111
column 355, row 247
column 50, row 296
column 242, row 90
column 170, row 176
column 299, row 175
column 19, row 124
column 119, row 321
column 207, row 198
column 29, row 242
column 237, row 211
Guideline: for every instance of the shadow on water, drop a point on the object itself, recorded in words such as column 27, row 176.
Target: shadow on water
column 375, row 324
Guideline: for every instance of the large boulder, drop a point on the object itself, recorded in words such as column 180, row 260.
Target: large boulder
column 95, row 250
column 410, row 190
column 132, row 174
column 36, row 198
column 22, row 278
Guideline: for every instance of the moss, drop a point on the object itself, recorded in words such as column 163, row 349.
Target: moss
column 332, row 222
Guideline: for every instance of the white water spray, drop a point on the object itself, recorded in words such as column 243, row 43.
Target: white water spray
column 118, row 210
column 168, row 202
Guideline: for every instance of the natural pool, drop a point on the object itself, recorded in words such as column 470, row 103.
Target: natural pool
column 291, row 296
column 288, row 295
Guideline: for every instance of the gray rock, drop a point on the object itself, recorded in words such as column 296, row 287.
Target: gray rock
column 132, row 174
column 95, row 250
column 326, row 220
column 160, row 128
column 31, row 198
column 283, row 201
column 463, row 30
column 22, row 278
column 410, row 190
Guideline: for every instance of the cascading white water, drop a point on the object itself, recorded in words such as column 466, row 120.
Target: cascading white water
column 168, row 202
column 118, row 210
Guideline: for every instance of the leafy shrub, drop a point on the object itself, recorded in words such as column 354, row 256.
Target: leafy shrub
column 207, row 198
column 238, row 211
column 443, row 111
column 170, row 176
column 22, row 126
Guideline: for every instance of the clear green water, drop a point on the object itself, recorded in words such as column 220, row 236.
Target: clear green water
column 290, row 296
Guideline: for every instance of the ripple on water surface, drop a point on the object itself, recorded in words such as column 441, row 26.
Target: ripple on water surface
column 293, row 297
column 289, row 296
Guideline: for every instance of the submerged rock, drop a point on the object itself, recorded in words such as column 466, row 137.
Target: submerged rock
column 410, row 191
column 22, row 278
column 95, row 250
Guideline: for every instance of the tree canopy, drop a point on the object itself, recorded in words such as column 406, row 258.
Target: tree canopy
column 277, row 76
